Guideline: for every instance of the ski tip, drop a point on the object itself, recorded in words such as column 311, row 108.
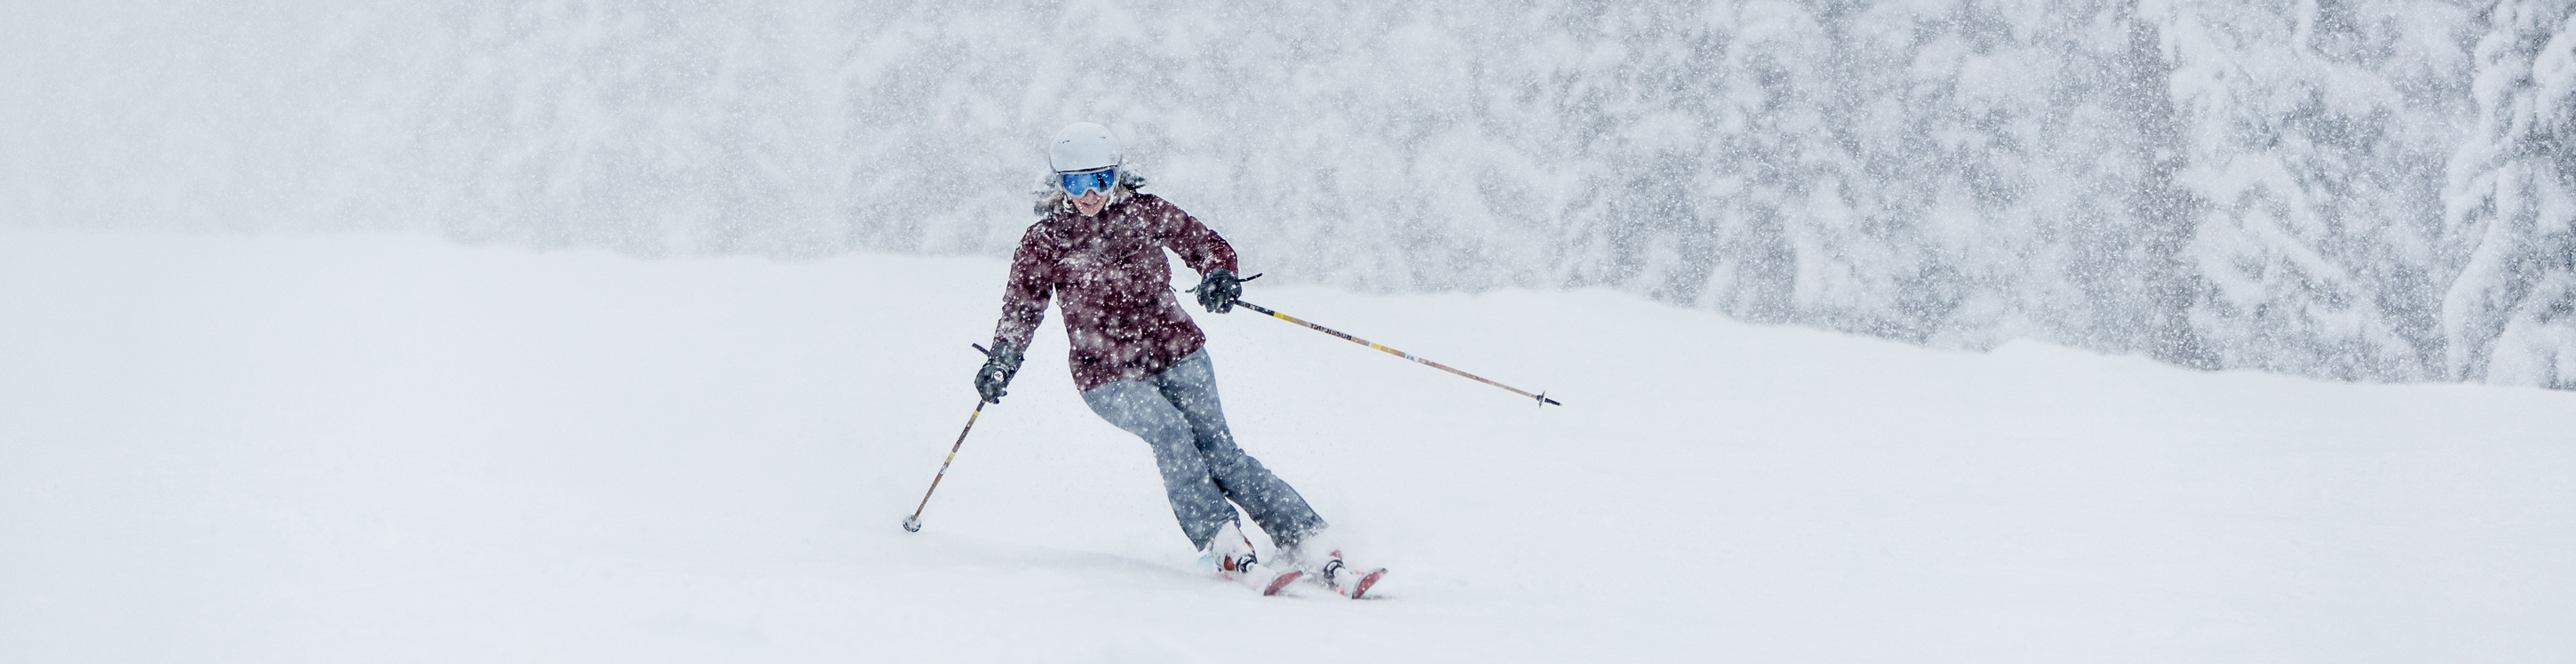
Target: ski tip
column 1281, row 582
column 1360, row 589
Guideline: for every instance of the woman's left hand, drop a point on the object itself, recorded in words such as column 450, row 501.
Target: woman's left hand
column 1218, row 291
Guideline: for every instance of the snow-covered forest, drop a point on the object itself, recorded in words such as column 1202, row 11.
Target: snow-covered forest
column 2372, row 190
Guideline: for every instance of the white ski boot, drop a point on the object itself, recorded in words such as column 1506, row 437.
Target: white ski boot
column 1233, row 557
column 1322, row 561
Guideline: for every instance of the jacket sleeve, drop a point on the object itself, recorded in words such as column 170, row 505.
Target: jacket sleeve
column 1025, row 295
column 1198, row 246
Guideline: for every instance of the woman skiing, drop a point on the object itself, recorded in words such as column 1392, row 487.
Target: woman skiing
column 1142, row 364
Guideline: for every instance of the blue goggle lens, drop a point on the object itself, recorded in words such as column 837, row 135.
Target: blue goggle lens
column 1076, row 184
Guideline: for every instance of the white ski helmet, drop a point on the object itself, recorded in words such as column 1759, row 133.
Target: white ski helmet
column 1083, row 146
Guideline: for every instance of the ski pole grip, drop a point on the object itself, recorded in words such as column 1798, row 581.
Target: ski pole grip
column 1256, row 275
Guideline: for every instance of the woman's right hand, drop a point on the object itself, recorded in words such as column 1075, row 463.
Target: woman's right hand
column 1000, row 363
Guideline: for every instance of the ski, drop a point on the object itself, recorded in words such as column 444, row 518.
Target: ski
column 1347, row 581
column 1261, row 578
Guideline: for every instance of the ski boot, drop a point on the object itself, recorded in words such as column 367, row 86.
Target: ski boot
column 1233, row 557
column 1323, row 563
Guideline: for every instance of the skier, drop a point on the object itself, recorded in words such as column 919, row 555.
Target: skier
column 1143, row 365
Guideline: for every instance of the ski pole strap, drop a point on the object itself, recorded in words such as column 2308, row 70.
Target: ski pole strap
column 1543, row 401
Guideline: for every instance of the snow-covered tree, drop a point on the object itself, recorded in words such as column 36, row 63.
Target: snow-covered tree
column 2510, row 314
column 2316, row 137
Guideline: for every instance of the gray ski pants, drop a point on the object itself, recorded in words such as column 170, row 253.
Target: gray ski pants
column 1177, row 413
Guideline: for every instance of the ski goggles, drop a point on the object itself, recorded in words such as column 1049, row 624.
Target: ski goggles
column 1077, row 184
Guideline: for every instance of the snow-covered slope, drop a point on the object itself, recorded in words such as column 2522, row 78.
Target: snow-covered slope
column 391, row 448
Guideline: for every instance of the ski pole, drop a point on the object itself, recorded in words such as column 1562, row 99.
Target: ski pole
column 913, row 523
column 1543, row 401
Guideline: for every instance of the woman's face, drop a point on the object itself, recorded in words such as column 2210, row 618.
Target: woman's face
column 1090, row 202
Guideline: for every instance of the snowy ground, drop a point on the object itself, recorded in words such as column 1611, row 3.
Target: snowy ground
column 389, row 448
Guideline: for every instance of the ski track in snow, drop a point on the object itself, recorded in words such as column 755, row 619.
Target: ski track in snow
column 393, row 448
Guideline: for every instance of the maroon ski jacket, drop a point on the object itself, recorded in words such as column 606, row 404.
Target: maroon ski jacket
column 1119, row 307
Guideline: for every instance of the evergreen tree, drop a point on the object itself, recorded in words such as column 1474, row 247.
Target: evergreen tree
column 2510, row 315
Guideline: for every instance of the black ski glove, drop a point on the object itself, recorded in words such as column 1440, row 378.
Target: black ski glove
column 1000, row 363
column 1218, row 291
